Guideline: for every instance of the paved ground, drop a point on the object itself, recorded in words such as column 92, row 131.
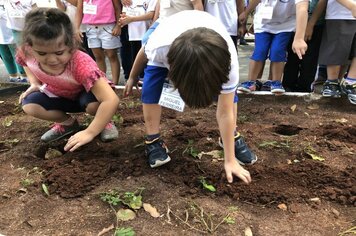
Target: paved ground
column 244, row 54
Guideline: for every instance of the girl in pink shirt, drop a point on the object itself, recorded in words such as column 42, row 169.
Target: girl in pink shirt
column 64, row 80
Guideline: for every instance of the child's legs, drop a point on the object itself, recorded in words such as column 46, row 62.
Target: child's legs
column 278, row 53
column 291, row 69
column 135, row 48
column 125, row 52
column 20, row 69
column 151, row 92
column 352, row 71
column 8, row 60
column 259, row 56
column 99, row 55
column 114, row 64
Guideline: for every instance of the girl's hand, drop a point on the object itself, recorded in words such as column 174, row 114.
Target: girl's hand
column 125, row 20
column 234, row 168
column 116, row 30
column 77, row 140
column 131, row 82
column 31, row 89
column 79, row 36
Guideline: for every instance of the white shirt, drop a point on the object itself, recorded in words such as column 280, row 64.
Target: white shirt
column 336, row 11
column 16, row 11
column 283, row 18
column 225, row 11
column 170, row 7
column 5, row 33
column 171, row 27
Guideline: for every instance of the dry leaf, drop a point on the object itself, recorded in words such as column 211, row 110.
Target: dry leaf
column 125, row 214
column 282, row 206
column 248, row 232
column 313, row 107
column 2, row 102
column 105, row 230
column 342, row 120
column 293, row 107
column 150, row 209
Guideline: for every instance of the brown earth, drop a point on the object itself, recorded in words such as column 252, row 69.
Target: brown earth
column 319, row 197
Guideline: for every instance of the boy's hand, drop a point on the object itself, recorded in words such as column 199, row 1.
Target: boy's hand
column 77, row 140
column 234, row 168
column 299, row 47
column 131, row 82
column 309, row 32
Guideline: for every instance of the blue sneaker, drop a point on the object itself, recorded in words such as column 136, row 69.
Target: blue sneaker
column 277, row 87
column 243, row 153
column 249, row 86
column 22, row 80
column 331, row 89
column 157, row 152
column 13, row 79
column 348, row 86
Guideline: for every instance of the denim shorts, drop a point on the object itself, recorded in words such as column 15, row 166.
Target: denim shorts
column 100, row 36
column 274, row 45
column 59, row 103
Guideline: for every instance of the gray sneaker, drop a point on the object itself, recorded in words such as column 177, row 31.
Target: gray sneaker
column 109, row 133
column 59, row 131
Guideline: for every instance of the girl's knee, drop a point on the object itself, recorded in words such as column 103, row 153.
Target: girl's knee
column 92, row 108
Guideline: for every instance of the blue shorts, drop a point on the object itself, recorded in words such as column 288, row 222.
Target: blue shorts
column 273, row 44
column 154, row 79
column 59, row 103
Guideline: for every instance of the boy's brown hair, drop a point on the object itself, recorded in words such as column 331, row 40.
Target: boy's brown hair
column 199, row 61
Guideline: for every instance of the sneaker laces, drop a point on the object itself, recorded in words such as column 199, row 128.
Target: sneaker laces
column 58, row 128
column 109, row 125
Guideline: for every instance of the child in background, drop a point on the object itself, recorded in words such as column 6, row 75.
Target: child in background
column 15, row 12
column 8, row 47
column 196, row 53
column 138, row 17
column 103, row 30
column 64, row 79
column 274, row 23
column 338, row 46
column 299, row 74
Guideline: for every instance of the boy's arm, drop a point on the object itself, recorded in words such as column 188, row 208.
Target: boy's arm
column 118, row 8
column 243, row 16
column 226, row 122
column 137, row 68
column 349, row 4
column 197, row 5
column 299, row 45
column 318, row 11
column 240, row 7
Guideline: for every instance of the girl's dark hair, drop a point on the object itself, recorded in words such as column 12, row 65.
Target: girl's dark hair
column 47, row 24
column 200, row 62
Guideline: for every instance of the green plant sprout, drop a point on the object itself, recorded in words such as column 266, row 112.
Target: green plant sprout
column 26, row 182
column 207, row 186
column 191, row 150
column 131, row 199
column 124, row 232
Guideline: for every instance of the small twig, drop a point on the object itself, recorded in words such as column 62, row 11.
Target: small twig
column 168, row 215
column 222, row 221
column 186, row 223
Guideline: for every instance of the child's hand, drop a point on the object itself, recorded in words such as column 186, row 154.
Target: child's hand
column 79, row 36
column 131, row 82
column 77, row 140
column 116, row 30
column 243, row 18
column 234, row 168
column 31, row 89
column 125, row 20
column 299, row 47
column 309, row 32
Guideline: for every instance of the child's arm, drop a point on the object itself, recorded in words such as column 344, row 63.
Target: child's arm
column 243, row 16
column 35, row 84
column 241, row 28
column 318, row 11
column 299, row 45
column 197, row 5
column 60, row 5
column 118, row 8
column 226, row 121
column 349, row 4
column 137, row 68
column 108, row 103
column 125, row 19
column 78, row 21
column 156, row 14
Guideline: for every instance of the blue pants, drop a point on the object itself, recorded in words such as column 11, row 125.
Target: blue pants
column 8, row 54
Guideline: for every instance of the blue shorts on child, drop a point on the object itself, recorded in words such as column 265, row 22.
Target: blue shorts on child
column 274, row 45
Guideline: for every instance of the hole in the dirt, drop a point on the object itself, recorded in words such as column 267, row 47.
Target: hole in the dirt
column 288, row 130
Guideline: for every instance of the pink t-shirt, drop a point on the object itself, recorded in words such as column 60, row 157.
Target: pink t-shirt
column 81, row 73
column 105, row 12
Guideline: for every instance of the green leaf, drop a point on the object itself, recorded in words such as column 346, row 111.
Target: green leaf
column 124, row 232
column 125, row 214
column 45, row 189
column 132, row 201
column 207, row 186
column 229, row 220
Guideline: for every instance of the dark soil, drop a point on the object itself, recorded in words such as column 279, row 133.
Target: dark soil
column 320, row 196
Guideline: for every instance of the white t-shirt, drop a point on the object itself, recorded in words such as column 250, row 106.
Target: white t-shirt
column 226, row 11
column 137, row 29
column 170, row 28
column 170, row 7
column 5, row 33
column 16, row 11
column 336, row 11
column 283, row 18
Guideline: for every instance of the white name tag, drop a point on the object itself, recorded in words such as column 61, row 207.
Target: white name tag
column 267, row 12
column 170, row 98
column 89, row 9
